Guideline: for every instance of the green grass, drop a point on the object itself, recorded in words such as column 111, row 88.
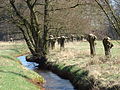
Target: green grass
column 101, row 68
column 74, row 58
column 13, row 76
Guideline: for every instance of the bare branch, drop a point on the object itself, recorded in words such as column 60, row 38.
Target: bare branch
column 12, row 1
column 117, row 2
column 112, row 12
column 74, row 6
column 67, row 8
column 39, row 4
column 109, row 18
column 38, row 12
column 34, row 3
column 18, row 13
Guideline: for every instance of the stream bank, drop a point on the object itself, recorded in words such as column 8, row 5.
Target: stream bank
column 79, row 78
column 13, row 76
column 53, row 82
column 101, row 73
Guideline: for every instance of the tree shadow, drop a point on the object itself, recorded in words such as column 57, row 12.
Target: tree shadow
column 24, row 76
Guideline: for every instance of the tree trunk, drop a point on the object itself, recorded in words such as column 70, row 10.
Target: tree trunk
column 91, row 39
column 107, row 46
column 45, row 32
column 92, row 48
column 37, row 42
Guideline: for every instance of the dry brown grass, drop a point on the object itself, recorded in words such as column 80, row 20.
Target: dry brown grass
column 101, row 68
column 7, row 45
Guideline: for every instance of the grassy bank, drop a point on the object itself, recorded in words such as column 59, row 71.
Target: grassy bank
column 13, row 76
column 98, row 72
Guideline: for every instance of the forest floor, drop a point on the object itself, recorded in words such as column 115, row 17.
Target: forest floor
column 13, row 76
column 77, row 54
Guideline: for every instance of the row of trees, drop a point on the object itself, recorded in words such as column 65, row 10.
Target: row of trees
column 66, row 16
column 37, row 18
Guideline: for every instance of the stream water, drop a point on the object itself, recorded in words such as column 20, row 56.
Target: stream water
column 53, row 82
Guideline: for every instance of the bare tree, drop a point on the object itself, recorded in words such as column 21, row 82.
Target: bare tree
column 27, row 20
column 35, row 37
column 34, row 21
column 110, row 13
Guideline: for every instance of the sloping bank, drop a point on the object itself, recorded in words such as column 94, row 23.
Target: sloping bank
column 13, row 76
column 79, row 78
column 84, row 72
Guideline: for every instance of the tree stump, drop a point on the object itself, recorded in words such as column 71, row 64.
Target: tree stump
column 62, row 42
column 72, row 37
column 52, row 41
column 82, row 37
column 91, row 39
column 107, row 46
column 49, row 40
column 78, row 38
column 11, row 40
column 58, row 40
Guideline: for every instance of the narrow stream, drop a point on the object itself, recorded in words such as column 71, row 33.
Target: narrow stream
column 53, row 82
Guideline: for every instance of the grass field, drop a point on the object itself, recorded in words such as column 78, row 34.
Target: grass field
column 13, row 76
column 106, row 70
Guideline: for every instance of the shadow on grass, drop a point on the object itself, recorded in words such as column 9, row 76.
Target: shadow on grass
column 21, row 75
column 7, row 57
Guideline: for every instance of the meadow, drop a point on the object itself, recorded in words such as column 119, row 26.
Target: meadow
column 13, row 76
column 76, row 56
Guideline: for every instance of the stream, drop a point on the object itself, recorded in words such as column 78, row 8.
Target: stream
column 53, row 81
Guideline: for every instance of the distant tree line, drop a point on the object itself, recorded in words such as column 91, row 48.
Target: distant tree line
column 37, row 19
column 74, row 15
